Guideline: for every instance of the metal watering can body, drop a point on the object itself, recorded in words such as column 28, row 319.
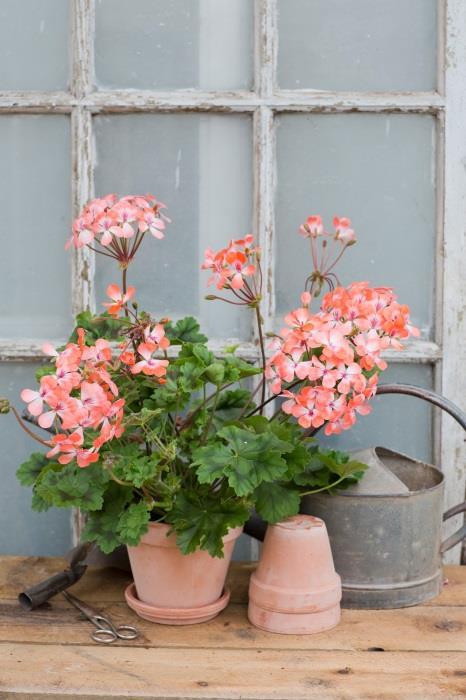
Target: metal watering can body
column 388, row 548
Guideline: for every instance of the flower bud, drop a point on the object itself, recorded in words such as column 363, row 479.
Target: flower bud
column 4, row 405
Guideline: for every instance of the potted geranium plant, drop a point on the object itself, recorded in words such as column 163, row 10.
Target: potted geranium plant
column 159, row 442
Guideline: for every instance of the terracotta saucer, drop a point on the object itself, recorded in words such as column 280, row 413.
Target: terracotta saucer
column 175, row 616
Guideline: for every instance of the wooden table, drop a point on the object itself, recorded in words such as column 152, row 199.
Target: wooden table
column 415, row 653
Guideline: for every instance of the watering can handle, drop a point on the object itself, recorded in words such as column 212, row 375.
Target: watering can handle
column 460, row 418
column 460, row 534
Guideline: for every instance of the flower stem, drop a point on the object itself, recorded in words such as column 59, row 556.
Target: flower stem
column 26, row 430
column 324, row 488
column 262, row 348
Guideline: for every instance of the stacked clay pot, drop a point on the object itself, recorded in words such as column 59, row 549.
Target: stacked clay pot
column 295, row 589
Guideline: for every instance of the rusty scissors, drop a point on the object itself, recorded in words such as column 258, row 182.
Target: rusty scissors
column 106, row 631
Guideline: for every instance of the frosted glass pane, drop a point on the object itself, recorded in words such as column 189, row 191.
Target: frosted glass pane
column 34, row 44
column 23, row 531
column 200, row 166
column 377, row 45
column 402, row 423
column 379, row 170
column 35, row 206
column 178, row 44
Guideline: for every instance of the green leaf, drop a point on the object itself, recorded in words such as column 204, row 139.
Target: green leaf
column 186, row 330
column 73, row 486
column 134, row 523
column 102, row 525
column 246, row 460
column 43, row 371
column 190, row 376
column 203, row 354
column 236, row 368
column 215, row 373
column 275, row 502
column 101, row 326
column 38, row 504
column 200, row 522
column 230, row 406
column 135, row 468
column 211, row 461
column 29, row 470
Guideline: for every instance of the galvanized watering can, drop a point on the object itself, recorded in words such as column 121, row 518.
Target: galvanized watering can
column 387, row 547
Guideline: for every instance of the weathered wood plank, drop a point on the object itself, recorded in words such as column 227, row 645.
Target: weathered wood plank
column 167, row 673
column 413, row 629
column 17, row 573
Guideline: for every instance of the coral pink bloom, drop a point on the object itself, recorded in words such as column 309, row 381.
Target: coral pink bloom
column 274, row 378
column 35, row 399
column 350, row 376
column 312, row 227
column 300, row 319
column 67, row 380
column 344, row 232
column 118, row 298
column 127, row 357
column 70, row 447
column 156, row 335
column 324, row 371
column 103, row 226
column 149, row 221
column 335, row 345
column 82, row 232
column 149, row 365
column 241, row 268
column 64, row 407
column 369, row 346
column 100, row 352
column 125, row 214
column 309, row 416
column 306, row 299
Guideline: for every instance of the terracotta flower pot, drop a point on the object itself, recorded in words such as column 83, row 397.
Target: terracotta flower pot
column 295, row 589
column 176, row 589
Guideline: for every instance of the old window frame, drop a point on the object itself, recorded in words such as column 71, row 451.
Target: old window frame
column 447, row 353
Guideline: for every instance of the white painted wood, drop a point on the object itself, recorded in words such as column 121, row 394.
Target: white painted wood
column 121, row 101
column 30, row 349
column 82, row 176
column 453, row 448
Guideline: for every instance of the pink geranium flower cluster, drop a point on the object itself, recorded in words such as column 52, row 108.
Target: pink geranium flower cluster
column 112, row 222
column 234, row 268
column 334, row 356
column 80, row 395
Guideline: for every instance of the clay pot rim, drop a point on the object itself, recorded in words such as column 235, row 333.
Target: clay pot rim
column 176, row 614
column 295, row 522
column 156, row 536
column 333, row 585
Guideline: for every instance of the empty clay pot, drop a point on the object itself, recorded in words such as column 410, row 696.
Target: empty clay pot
column 295, row 589
column 174, row 588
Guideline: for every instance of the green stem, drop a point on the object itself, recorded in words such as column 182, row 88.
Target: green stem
column 209, row 424
column 26, row 430
column 325, row 488
column 262, row 349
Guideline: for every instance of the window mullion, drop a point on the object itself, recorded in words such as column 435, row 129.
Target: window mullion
column 454, row 254
column 82, row 44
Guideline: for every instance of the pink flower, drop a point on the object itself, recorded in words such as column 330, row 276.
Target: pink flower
column 119, row 299
column 343, row 230
column 36, row 399
column 156, row 336
column 312, row 227
column 149, row 221
column 149, row 365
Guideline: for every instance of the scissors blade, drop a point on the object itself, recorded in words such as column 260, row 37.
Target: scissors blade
column 86, row 610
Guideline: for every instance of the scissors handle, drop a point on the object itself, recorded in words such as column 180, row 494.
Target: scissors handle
column 104, row 636
column 107, row 632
